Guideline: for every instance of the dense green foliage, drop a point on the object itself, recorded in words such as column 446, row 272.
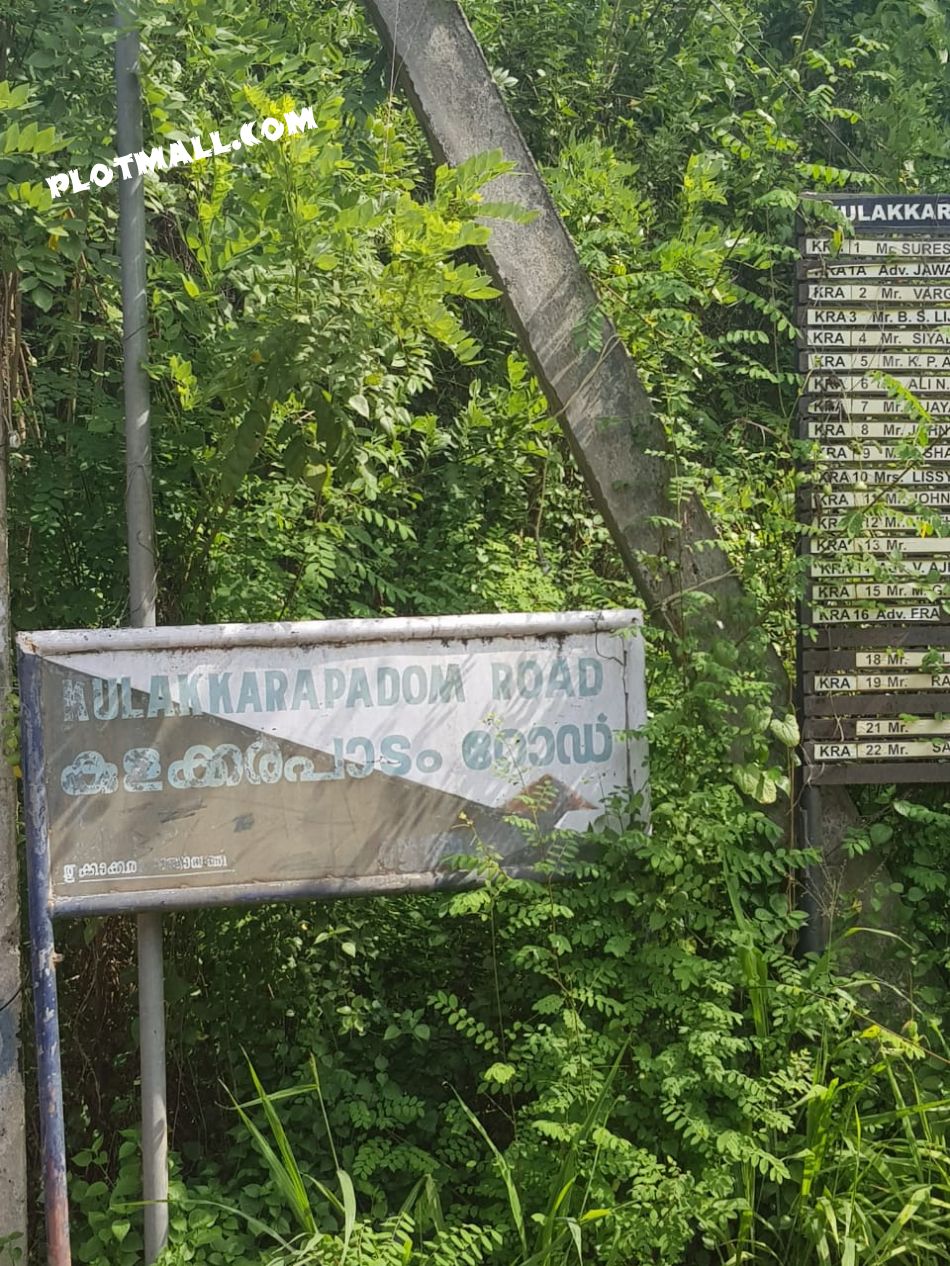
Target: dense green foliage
column 629, row 1067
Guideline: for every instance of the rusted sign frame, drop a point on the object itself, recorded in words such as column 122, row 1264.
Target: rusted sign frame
column 504, row 633
column 43, row 908
column 832, row 648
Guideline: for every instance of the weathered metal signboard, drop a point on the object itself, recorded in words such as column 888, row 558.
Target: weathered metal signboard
column 874, row 322
column 207, row 765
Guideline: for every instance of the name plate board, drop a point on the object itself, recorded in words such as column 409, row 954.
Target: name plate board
column 874, row 339
column 219, row 764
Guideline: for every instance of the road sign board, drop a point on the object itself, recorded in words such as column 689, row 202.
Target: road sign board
column 200, row 765
column 891, row 749
column 880, row 248
column 835, row 383
column 840, row 291
column 818, row 318
column 868, row 428
column 875, row 338
column 909, row 272
column 874, row 329
column 854, row 450
column 874, row 216
column 895, row 363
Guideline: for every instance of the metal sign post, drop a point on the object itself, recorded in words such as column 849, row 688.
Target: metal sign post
column 176, row 768
column 874, row 311
column 45, row 1001
column 143, row 587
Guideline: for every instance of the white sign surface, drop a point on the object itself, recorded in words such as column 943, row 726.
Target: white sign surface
column 889, row 749
column 855, row 451
column 885, row 362
column 888, row 477
column 836, row 591
column 862, row 384
column 879, row 405
column 841, row 428
column 876, row 615
column 355, row 753
column 876, row 339
column 864, row 292
column 858, row 565
column 897, row 658
column 819, row 318
column 881, row 499
column 913, row 271
column 894, row 725
column 833, row 683
column 895, row 525
column 881, row 248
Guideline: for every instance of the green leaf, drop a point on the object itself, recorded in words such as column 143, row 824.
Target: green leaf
column 500, row 1073
column 27, row 140
column 13, row 98
column 349, row 1207
column 121, row 1229
column 282, row 1163
column 45, row 141
column 360, row 405
column 42, row 297
column 238, row 456
column 507, row 1175
column 755, row 783
column 786, row 729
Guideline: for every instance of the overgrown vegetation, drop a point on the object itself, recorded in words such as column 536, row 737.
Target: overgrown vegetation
column 628, row 1067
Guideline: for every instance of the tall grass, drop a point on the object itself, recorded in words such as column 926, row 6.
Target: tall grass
column 331, row 1231
column 855, row 1171
column 867, row 1167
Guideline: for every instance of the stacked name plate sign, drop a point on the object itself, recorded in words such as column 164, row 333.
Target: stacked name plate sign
column 874, row 650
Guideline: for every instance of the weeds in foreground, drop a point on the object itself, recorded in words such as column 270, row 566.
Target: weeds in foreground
column 418, row 1233
column 850, row 1187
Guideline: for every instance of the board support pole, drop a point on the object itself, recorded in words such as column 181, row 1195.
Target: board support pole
column 807, row 804
column 812, row 938
column 143, row 588
column 13, row 1197
column 49, row 1074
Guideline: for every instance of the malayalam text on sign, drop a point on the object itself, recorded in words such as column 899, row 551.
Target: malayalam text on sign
column 273, row 755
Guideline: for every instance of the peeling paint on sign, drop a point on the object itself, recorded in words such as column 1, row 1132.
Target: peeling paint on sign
column 329, row 757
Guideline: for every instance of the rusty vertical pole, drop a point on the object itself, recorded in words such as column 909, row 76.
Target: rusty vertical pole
column 49, row 1074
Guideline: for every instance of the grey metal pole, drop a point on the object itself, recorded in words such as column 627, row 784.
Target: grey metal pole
column 143, row 588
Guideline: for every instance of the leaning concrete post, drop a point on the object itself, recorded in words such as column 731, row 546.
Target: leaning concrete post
column 596, row 394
